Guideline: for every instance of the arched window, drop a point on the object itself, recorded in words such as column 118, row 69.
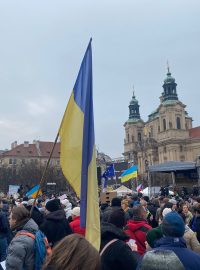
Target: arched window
column 178, row 123
column 139, row 137
column 164, row 124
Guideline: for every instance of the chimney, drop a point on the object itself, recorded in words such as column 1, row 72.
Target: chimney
column 26, row 144
column 14, row 144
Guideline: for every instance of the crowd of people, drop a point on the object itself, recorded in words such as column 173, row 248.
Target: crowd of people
column 137, row 232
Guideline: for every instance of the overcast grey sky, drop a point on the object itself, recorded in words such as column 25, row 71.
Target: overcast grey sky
column 42, row 44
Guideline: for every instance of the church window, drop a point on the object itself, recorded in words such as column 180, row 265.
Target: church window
column 139, row 137
column 158, row 128
column 178, row 123
column 164, row 124
column 128, row 137
column 132, row 138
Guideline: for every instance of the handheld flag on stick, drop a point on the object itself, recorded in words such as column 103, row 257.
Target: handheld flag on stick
column 129, row 173
column 32, row 193
column 109, row 172
column 139, row 188
column 78, row 153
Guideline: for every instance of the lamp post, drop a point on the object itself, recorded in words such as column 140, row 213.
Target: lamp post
column 148, row 177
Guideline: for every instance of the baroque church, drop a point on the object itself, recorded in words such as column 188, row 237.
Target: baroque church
column 167, row 135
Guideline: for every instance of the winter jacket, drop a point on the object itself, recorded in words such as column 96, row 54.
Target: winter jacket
column 75, row 226
column 118, row 255
column 21, row 249
column 191, row 240
column 189, row 259
column 4, row 225
column 55, row 226
column 137, row 229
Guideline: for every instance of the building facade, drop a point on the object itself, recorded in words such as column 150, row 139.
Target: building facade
column 167, row 135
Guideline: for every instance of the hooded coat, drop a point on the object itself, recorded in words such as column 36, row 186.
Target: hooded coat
column 189, row 259
column 20, row 254
column 118, row 255
column 137, row 229
column 55, row 226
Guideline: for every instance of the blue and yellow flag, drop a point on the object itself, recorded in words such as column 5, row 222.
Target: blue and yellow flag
column 78, row 153
column 32, row 193
column 129, row 173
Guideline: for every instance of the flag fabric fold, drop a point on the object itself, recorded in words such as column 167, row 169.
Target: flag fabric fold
column 78, row 153
column 129, row 173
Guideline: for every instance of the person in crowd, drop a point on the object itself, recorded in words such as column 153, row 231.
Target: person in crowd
column 187, row 214
column 173, row 229
column 152, row 208
column 195, row 222
column 21, row 249
column 156, row 233
column 4, row 230
column 115, row 253
column 67, row 207
column 115, row 204
column 162, row 201
column 174, row 202
column 125, row 207
column 160, row 260
column 73, row 252
column 75, row 224
column 55, row 225
column 134, row 201
column 137, row 228
column 190, row 236
column 36, row 215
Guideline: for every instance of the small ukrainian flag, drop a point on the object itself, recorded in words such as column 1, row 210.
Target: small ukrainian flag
column 129, row 173
column 32, row 193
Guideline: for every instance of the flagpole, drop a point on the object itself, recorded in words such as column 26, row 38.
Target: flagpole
column 44, row 172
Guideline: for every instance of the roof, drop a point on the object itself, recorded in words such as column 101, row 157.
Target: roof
column 172, row 166
column 194, row 132
column 42, row 149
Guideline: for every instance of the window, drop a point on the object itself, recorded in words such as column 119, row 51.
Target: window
column 158, row 128
column 164, row 124
column 139, row 137
column 14, row 161
column 128, row 137
column 10, row 160
column 132, row 138
column 178, row 123
column 165, row 149
column 181, row 148
column 170, row 125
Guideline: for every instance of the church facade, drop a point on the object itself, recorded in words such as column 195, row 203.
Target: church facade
column 168, row 134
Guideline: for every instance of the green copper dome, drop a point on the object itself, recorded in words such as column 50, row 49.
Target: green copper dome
column 169, row 79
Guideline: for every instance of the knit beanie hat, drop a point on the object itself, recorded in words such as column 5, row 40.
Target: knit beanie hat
column 173, row 225
column 117, row 217
column 76, row 211
column 53, row 205
column 161, row 259
column 166, row 211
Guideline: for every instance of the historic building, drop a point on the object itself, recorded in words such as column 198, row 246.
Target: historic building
column 167, row 135
column 37, row 152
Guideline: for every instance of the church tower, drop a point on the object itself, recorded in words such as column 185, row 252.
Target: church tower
column 133, row 131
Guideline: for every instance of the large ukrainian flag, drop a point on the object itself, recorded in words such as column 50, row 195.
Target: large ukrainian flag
column 78, row 153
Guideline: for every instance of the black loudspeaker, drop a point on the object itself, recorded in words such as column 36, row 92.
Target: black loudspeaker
column 99, row 175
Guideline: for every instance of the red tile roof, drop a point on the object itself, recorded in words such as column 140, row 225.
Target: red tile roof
column 31, row 150
column 46, row 147
column 194, row 132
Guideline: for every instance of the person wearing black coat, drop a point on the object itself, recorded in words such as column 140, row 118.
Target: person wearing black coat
column 55, row 225
column 117, row 255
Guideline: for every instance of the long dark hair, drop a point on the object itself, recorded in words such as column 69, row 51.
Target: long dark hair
column 72, row 253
